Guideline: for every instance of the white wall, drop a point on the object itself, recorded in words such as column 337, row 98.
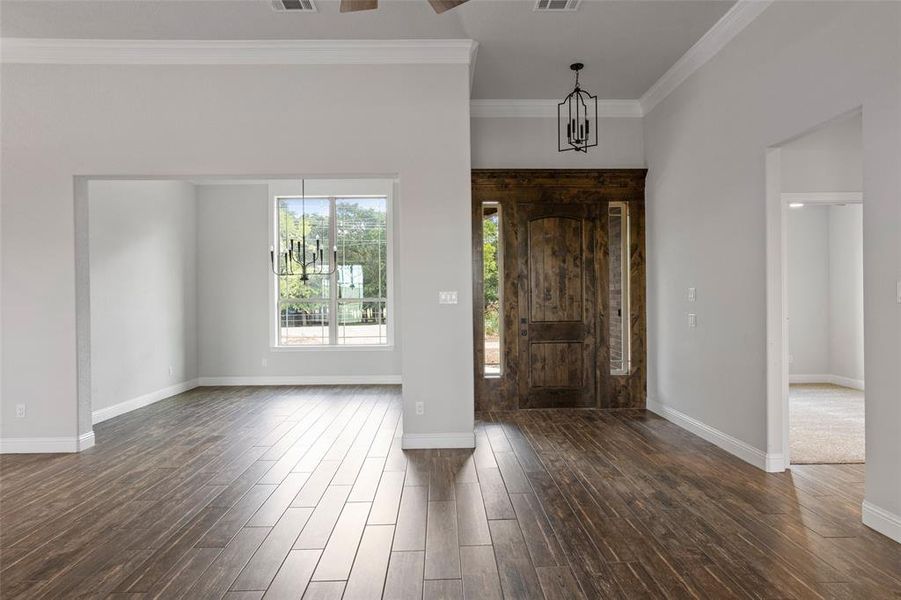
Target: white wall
column 808, row 290
column 531, row 143
column 61, row 121
column 825, row 293
column 794, row 67
column 234, row 279
column 143, row 288
column 846, row 318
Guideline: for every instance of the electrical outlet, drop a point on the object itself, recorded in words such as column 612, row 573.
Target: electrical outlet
column 692, row 294
column 171, row 370
column 420, row 408
column 20, row 411
column 692, row 320
column 264, row 361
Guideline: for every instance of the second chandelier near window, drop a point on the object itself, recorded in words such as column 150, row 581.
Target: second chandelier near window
column 295, row 252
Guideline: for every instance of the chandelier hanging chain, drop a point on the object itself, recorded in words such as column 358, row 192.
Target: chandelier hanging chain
column 296, row 253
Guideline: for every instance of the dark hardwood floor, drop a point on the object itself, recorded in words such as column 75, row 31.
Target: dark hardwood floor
column 247, row 493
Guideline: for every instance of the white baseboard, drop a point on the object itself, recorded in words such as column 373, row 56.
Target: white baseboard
column 855, row 384
column 775, row 463
column 883, row 521
column 46, row 445
column 809, row 378
column 103, row 414
column 771, row 463
column 416, row 441
column 85, row 441
column 303, row 380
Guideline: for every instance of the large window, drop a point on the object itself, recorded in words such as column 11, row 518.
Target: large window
column 347, row 302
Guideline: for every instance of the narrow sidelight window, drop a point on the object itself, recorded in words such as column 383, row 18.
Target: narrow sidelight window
column 492, row 286
column 618, row 245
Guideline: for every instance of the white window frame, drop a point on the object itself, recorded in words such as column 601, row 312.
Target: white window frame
column 626, row 274
column 333, row 189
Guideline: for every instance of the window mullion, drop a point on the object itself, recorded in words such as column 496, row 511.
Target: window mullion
column 333, row 278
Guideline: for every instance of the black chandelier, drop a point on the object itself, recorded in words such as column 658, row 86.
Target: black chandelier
column 294, row 254
column 574, row 116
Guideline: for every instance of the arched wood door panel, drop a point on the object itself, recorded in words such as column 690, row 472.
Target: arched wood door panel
column 558, row 289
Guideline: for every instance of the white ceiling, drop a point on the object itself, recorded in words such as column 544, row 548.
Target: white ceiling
column 626, row 45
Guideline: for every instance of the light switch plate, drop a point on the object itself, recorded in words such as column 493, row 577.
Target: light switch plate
column 447, row 297
column 692, row 320
column 898, row 299
column 692, row 294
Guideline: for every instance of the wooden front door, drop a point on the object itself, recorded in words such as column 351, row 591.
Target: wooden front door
column 557, row 285
column 542, row 290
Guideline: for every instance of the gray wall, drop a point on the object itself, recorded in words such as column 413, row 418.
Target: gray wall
column 143, row 288
column 846, row 318
column 808, row 290
column 825, row 292
column 794, row 67
column 531, row 143
column 61, row 121
column 234, row 276
column 828, row 159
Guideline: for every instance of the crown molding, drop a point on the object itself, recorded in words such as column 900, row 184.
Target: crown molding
column 723, row 31
column 547, row 108
column 236, row 52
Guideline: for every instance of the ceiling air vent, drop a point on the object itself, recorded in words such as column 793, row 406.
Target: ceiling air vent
column 294, row 5
column 556, row 5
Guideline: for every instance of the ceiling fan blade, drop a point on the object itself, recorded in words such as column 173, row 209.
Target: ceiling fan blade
column 355, row 5
column 442, row 5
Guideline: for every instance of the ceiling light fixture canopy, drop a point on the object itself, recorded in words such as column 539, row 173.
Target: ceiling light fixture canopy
column 577, row 118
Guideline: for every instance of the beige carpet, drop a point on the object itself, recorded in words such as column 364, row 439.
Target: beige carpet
column 826, row 424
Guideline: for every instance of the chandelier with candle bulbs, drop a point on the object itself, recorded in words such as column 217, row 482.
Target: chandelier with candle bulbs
column 294, row 257
column 577, row 118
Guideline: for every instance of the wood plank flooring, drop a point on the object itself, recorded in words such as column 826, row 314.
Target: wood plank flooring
column 287, row 492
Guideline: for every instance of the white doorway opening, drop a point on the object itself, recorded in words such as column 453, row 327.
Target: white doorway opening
column 815, row 380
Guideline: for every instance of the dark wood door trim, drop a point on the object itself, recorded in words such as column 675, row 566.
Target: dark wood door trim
column 513, row 188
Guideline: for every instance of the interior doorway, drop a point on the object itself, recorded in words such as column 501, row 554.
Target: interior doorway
column 164, row 306
column 817, row 373
column 559, row 318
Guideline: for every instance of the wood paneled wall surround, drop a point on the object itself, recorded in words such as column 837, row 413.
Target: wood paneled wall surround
column 521, row 192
